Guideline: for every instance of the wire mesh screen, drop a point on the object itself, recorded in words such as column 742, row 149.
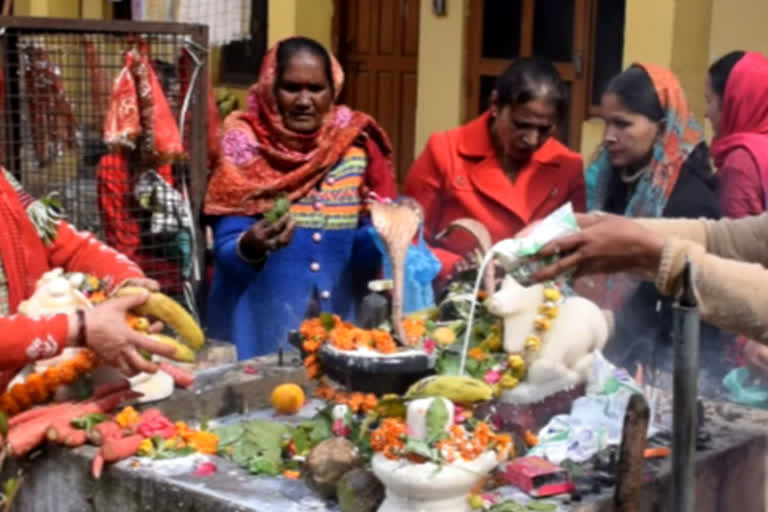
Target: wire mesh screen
column 58, row 89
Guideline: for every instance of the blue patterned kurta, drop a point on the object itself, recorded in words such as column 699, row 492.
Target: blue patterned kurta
column 331, row 257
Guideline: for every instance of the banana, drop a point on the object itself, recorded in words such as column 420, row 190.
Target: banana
column 458, row 389
column 183, row 353
column 171, row 313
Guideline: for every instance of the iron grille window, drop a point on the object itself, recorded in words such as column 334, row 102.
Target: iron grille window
column 57, row 78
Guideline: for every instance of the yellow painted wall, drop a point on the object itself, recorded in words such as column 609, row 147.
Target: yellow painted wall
column 738, row 25
column 690, row 55
column 91, row 9
column 440, row 93
column 648, row 29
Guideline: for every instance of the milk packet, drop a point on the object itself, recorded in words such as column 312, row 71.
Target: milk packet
column 517, row 255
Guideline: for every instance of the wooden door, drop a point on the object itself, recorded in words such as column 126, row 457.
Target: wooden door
column 500, row 30
column 377, row 43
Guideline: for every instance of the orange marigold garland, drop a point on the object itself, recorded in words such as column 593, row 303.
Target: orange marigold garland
column 315, row 332
column 415, row 328
column 38, row 387
column 356, row 401
column 391, row 437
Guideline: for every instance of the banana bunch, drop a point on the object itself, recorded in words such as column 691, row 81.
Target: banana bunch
column 161, row 307
column 226, row 101
column 457, row 389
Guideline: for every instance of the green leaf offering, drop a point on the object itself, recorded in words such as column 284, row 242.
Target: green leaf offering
column 3, row 423
column 541, row 507
column 9, row 487
column 172, row 453
column 264, row 466
column 507, row 506
column 255, row 445
column 327, row 320
column 422, row 449
column 316, row 429
column 437, row 420
column 281, row 207
column 82, row 388
column 89, row 421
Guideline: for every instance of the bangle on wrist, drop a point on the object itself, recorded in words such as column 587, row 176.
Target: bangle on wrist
column 80, row 340
column 239, row 251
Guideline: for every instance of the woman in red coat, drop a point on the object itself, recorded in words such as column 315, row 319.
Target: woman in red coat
column 504, row 168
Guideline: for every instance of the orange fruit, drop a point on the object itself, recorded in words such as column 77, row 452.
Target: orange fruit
column 287, row 398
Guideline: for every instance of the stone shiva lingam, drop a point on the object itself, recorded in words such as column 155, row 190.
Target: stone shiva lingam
column 441, row 479
column 374, row 359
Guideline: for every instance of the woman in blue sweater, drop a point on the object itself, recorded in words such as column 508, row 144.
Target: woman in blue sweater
column 293, row 142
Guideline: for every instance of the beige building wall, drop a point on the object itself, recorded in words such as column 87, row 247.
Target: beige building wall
column 441, row 81
column 738, row 25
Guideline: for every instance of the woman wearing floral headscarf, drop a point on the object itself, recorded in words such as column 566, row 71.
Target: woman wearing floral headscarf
column 293, row 142
column 653, row 163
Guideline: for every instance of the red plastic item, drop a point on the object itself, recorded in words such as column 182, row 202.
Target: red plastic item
column 538, row 477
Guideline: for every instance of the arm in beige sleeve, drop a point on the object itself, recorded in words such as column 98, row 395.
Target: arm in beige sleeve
column 741, row 239
column 728, row 291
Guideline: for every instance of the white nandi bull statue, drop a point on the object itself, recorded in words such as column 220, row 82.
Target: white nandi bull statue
column 567, row 347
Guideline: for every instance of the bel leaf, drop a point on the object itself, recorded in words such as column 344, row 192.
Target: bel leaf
column 229, row 434
column 89, row 421
column 327, row 320
column 541, row 506
column 507, row 506
column 437, row 419
column 421, row 448
column 264, row 466
column 301, row 441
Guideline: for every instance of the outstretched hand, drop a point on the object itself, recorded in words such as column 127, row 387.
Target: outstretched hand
column 606, row 244
column 107, row 334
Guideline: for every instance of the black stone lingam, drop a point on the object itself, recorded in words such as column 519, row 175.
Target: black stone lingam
column 371, row 373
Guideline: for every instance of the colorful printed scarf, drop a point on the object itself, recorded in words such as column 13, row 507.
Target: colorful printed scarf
column 681, row 135
column 261, row 158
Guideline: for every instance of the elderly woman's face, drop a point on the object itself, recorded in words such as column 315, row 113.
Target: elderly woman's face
column 303, row 93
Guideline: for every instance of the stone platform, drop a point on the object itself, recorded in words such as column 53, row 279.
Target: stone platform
column 732, row 472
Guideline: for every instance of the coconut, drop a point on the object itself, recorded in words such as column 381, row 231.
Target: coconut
column 328, row 462
column 359, row 491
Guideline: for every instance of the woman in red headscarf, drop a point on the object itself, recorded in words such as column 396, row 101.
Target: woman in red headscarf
column 737, row 107
column 293, row 142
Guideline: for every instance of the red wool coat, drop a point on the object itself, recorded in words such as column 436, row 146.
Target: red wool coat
column 458, row 175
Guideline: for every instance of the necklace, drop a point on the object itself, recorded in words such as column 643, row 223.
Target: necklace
column 631, row 177
column 548, row 310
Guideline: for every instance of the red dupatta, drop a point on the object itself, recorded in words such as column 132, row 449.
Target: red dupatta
column 261, row 158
